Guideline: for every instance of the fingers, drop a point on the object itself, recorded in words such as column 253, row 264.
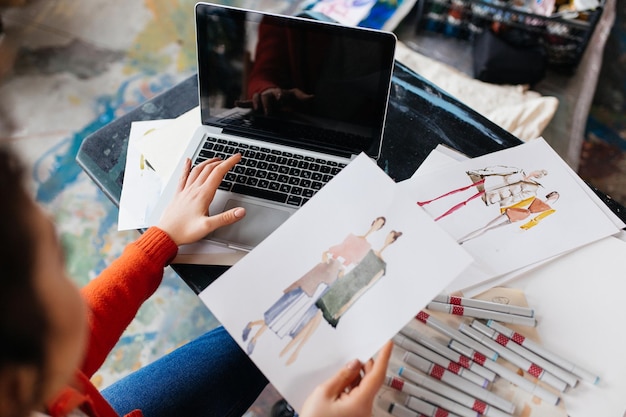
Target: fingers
column 300, row 95
column 214, row 168
column 269, row 98
column 244, row 104
column 193, row 173
column 375, row 371
column 185, row 174
column 222, row 168
column 343, row 379
column 227, row 217
column 370, row 383
column 274, row 97
column 339, row 396
column 256, row 101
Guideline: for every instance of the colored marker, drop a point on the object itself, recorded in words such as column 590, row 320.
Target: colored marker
column 399, row 410
column 560, row 373
column 532, row 368
column 426, row 408
column 437, row 324
column 485, row 305
column 481, row 314
column 446, row 352
column 422, row 394
column 437, row 359
column 458, row 389
column 506, row 373
column 422, row 381
column 543, row 352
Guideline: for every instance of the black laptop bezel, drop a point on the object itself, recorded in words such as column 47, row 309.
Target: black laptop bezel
column 205, row 11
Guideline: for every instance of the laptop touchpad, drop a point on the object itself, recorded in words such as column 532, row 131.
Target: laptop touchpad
column 259, row 222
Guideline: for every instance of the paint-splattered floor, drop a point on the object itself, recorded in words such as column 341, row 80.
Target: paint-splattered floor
column 81, row 65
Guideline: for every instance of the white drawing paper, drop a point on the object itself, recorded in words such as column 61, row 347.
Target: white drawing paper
column 484, row 204
column 142, row 186
column 419, row 264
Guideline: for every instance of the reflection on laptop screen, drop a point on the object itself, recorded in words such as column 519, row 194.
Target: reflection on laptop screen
column 295, row 81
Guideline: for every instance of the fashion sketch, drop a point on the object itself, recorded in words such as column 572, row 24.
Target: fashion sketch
column 498, row 184
column 344, row 292
column 293, row 311
column 518, row 212
column 341, row 295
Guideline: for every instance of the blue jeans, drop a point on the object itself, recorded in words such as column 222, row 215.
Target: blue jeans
column 210, row 376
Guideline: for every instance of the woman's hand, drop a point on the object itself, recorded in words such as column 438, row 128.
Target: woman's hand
column 274, row 99
column 186, row 219
column 349, row 393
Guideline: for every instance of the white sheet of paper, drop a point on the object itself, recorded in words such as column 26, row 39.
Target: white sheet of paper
column 142, row 186
column 578, row 219
column 165, row 146
column 347, row 205
column 578, row 299
column 440, row 157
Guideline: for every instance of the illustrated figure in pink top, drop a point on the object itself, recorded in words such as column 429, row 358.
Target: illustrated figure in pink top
column 296, row 307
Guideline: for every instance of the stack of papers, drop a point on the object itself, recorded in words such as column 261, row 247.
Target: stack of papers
column 372, row 278
column 469, row 201
column 353, row 266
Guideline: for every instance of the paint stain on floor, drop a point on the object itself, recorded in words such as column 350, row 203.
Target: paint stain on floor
column 79, row 58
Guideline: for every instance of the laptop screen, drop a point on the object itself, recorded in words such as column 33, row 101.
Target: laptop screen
column 300, row 82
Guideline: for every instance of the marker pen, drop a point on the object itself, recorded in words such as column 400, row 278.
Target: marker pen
column 446, row 352
column 423, row 395
column 560, row 373
column 399, row 410
column 532, row 368
column 543, row 352
column 435, row 358
column 506, row 373
column 481, row 314
column 457, row 389
column 437, row 324
column 485, row 305
column 426, row 408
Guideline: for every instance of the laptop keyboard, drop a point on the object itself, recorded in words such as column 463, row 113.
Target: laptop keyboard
column 271, row 174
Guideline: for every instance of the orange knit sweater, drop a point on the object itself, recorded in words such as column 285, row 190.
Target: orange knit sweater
column 113, row 299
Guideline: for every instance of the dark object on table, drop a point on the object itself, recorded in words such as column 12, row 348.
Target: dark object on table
column 511, row 56
column 282, row 409
column 563, row 37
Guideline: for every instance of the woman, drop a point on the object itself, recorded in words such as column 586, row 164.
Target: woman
column 344, row 292
column 295, row 308
column 55, row 337
column 517, row 213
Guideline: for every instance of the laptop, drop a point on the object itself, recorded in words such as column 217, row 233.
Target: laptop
column 299, row 98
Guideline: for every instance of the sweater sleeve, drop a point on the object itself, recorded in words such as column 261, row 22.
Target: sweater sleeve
column 114, row 297
column 271, row 65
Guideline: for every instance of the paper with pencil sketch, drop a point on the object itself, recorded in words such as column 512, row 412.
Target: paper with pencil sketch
column 335, row 281
column 142, row 186
column 510, row 209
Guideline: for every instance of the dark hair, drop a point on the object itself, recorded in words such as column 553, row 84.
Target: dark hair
column 23, row 324
column 396, row 235
column 551, row 194
column 379, row 218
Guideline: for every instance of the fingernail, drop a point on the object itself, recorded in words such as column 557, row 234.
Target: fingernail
column 353, row 364
column 240, row 212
